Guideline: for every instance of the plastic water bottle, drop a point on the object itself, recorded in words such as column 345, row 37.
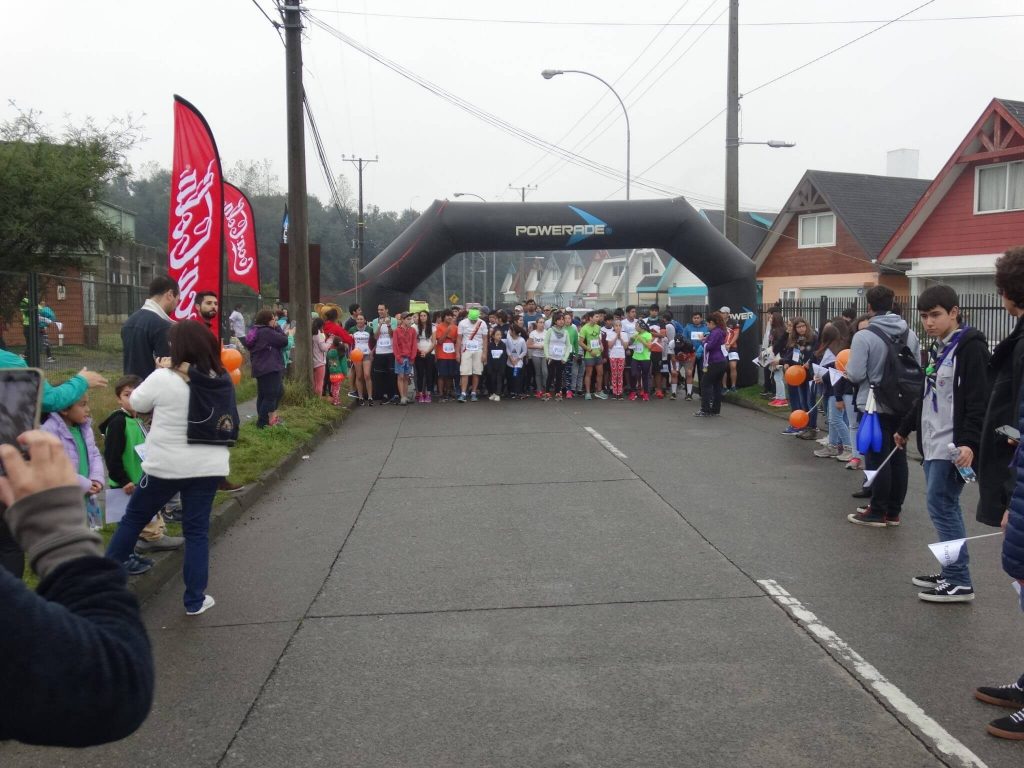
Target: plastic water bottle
column 965, row 472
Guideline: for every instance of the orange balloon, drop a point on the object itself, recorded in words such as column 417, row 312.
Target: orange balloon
column 337, row 378
column 842, row 359
column 236, row 376
column 799, row 419
column 356, row 355
column 796, row 375
column 231, row 358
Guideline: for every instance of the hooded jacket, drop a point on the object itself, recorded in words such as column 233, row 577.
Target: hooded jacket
column 996, row 473
column 265, row 343
column 1013, row 541
column 144, row 338
column 868, row 354
column 55, row 425
column 970, row 394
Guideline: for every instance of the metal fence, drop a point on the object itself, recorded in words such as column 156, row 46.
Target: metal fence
column 984, row 311
column 85, row 317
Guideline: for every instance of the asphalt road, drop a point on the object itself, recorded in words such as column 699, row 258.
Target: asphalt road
column 489, row 585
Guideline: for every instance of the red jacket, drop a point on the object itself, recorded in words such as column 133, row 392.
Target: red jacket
column 405, row 343
column 331, row 328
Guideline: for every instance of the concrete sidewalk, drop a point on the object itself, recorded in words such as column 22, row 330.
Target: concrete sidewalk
column 488, row 585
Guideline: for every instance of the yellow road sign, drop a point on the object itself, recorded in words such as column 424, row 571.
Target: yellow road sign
column 454, row 298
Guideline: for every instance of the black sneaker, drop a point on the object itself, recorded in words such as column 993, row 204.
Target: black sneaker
column 136, row 565
column 868, row 518
column 689, row 397
column 929, row 582
column 172, row 516
column 672, row 396
column 1011, row 696
column 700, row 413
column 1010, row 727
column 945, row 592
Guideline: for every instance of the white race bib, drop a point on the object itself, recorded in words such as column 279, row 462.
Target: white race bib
column 472, row 345
column 796, row 356
column 595, row 344
column 384, row 344
column 696, row 336
column 496, row 353
column 448, row 347
column 557, row 350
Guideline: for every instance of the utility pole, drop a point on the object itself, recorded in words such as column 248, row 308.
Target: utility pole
column 524, row 190
column 360, row 163
column 298, row 229
column 732, row 136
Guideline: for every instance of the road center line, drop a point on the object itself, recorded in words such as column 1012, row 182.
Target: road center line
column 928, row 729
column 604, row 441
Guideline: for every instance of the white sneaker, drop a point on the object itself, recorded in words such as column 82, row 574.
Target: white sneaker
column 823, row 440
column 845, row 455
column 208, row 603
column 497, row 398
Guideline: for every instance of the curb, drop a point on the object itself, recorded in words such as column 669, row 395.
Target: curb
column 750, row 405
column 167, row 565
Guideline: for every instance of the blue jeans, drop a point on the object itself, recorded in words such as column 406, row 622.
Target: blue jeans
column 943, row 487
column 839, row 421
column 196, row 502
column 801, row 399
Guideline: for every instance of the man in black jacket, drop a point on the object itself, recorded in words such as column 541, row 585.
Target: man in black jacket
column 76, row 668
column 996, row 475
column 144, row 333
column 949, row 412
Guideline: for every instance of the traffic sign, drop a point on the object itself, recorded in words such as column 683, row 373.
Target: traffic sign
column 454, row 298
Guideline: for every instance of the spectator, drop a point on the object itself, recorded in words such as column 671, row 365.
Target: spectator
column 144, row 333
column 265, row 342
column 74, row 655
column 237, row 321
column 716, row 361
column 838, row 398
column 173, row 464
column 207, row 306
column 321, row 346
column 353, row 311
column 73, row 427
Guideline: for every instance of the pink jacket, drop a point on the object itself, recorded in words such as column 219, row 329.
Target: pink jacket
column 405, row 343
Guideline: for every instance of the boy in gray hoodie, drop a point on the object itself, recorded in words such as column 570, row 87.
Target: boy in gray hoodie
column 868, row 354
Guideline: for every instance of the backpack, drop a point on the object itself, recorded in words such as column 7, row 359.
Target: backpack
column 212, row 413
column 902, row 377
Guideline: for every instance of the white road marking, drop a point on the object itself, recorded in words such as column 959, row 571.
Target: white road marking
column 928, row 728
column 604, row 441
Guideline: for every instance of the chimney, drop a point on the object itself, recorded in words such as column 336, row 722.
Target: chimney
column 902, row 163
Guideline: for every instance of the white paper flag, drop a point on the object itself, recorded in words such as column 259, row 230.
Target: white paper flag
column 819, row 370
column 835, row 375
column 828, row 357
column 869, row 477
column 947, row 552
column 116, row 504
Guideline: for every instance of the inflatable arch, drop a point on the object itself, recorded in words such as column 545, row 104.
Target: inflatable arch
column 449, row 228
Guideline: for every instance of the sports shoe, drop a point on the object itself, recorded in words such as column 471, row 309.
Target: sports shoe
column 699, row 413
column 587, row 396
column 863, row 493
column 791, row 431
column 1011, row 727
column 208, row 603
column 558, row 395
column 163, row 544
column 632, row 396
column 645, row 397
column 497, row 398
column 779, row 403
column 863, row 510
column 867, row 518
column 945, row 592
column 353, row 394
column 828, row 452
column 1011, row 696
column 811, row 433
column 545, row 396
column 136, row 565
column 427, row 398
column 892, row 522
column 473, row 397
column 845, row 455
column 672, row 396
column 172, row 515
column 600, row 395
column 823, row 440
column 461, row 398
column 659, row 394
column 569, row 395
column 228, row 487
column 930, row 581
column 51, row 359
column 688, row 397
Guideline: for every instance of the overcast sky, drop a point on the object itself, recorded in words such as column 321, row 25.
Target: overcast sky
column 914, row 84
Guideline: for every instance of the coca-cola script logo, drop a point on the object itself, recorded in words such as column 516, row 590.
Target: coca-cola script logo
column 237, row 220
column 193, row 216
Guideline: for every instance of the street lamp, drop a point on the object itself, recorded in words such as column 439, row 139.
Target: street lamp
column 773, row 143
column 468, row 194
column 547, row 74
column 731, row 214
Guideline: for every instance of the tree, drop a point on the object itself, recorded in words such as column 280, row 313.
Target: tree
column 49, row 186
column 255, row 178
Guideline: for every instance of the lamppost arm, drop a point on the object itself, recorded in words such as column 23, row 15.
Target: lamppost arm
column 468, row 194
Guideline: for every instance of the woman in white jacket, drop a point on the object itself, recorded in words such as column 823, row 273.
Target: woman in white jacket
column 172, row 465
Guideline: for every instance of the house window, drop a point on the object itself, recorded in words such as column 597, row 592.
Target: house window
column 617, row 269
column 817, row 230
column 999, row 187
column 787, row 294
column 647, row 267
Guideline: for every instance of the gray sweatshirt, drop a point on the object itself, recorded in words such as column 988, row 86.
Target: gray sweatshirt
column 868, row 353
column 516, row 348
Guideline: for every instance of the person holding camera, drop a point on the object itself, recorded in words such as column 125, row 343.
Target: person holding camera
column 75, row 659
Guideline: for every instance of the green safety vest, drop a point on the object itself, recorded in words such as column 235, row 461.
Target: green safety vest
column 135, row 434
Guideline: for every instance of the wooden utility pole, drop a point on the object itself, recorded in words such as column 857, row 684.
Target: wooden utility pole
column 523, row 190
column 298, row 228
column 732, row 127
column 360, row 163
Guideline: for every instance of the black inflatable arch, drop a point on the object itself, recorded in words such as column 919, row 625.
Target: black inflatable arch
column 449, row 228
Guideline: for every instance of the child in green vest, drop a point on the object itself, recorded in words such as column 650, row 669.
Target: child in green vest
column 123, row 433
column 337, row 363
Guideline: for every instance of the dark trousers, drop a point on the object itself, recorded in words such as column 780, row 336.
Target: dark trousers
column 426, row 373
column 556, row 376
column 382, row 372
column 494, row 375
column 196, row 502
column 268, row 396
column 890, row 486
column 769, row 381
column 514, row 380
column 711, row 387
column 12, row 559
column 641, row 370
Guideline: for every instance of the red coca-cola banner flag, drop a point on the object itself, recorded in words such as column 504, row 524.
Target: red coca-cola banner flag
column 240, row 234
column 196, row 220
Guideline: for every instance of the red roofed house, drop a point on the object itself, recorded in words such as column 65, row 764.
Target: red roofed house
column 971, row 213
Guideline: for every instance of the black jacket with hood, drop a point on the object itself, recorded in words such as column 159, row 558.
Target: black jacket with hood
column 970, row 394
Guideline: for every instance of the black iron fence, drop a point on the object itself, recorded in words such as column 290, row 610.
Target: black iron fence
column 983, row 311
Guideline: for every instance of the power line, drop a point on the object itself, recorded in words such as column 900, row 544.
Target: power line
column 554, row 23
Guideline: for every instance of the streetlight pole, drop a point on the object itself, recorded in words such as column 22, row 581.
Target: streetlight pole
column 547, row 74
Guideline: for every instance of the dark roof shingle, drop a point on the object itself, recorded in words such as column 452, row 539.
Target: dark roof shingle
column 871, row 207
column 1015, row 108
